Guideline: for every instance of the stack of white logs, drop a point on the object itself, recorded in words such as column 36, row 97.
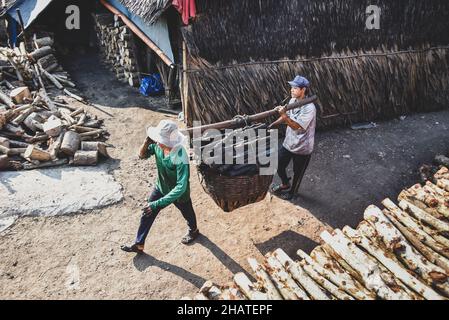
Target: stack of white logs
column 117, row 47
column 398, row 253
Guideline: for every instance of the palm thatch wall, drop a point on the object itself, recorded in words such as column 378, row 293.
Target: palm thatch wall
column 241, row 53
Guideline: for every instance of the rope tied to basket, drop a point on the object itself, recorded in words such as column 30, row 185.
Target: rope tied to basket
column 242, row 120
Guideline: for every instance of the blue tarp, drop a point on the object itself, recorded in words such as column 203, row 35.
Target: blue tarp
column 157, row 32
column 29, row 9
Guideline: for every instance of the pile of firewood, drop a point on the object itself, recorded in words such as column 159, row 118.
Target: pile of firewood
column 36, row 129
column 400, row 252
column 117, row 48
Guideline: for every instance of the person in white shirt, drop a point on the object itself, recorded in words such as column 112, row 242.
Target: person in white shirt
column 299, row 140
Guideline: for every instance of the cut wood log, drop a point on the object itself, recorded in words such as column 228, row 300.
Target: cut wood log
column 41, row 52
column 431, row 201
column 342, row 280
column 92, row 133
column 48, row 164
column 24, row 114
column 6, row 99
column 20, row 94
column 413, row 227
column 43, row 42
column 17, row 131
column 34, row 122
column 74, row 96
column 53, row 126
column 85, row 158
column 95, row 146
column 285, row 284
column 248, row 288
column 70, row 143
column 34, row 153
column 210, row 290
column 264, row 278
column 424, row 217
column 52, row 79
column 396, row 268
column 427, row 252
column 395, row 241
column 365, row 266
column 55, row 146
column 326, row 284
column 49, row 103
column 312, row 288
column 4, row 142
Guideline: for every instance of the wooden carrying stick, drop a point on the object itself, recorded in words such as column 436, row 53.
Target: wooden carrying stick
column 254, row 118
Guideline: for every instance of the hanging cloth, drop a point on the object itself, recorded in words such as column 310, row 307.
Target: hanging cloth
column 187, row 9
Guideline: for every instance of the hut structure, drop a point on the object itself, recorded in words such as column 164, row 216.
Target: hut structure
column 241, row 53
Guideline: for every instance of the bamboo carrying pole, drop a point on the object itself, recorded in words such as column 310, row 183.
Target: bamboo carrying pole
column 257, row 117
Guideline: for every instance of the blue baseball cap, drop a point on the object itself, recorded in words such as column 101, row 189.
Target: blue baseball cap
column 300, row 82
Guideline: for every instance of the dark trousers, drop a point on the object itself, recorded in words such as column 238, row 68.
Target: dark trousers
column 300, row 164
column 147, row 220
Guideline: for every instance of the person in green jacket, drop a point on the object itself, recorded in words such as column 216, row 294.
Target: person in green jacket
column 165, row 143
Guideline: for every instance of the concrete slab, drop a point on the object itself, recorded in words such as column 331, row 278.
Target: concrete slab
column 59, row 191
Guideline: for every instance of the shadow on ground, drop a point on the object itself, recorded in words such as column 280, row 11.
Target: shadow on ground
column 289, row 241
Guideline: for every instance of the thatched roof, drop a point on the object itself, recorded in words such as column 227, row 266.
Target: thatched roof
column 244, row 30
column 148, row 10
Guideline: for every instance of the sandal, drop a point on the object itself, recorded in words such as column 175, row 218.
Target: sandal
column 134, row 248
column 278, row 188
column 190, row 237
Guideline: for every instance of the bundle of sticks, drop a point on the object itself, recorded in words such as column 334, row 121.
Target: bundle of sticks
column 37, row 130
column 398, row 253
column 237, row 153
column 118, row 49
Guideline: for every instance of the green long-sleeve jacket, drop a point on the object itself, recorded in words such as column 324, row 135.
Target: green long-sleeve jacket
column 173, row 176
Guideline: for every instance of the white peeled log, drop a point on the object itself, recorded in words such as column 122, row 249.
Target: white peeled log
column 288, row 288
column 387, row 276
column 325, row 283
column 443, row 183
column 363, row 264
column 443, row 173
column 396, row 242
column 396, row 268
column 406, row 196
column 414, row 228
column 430, row 187
column 434, row 203
column 424, row 217
column 427, row 252
column 296, row 271
column 248, row 288
column 343, row 281
column 232, row 293
column 440, row 203
column 350, row 284
column 264, row 278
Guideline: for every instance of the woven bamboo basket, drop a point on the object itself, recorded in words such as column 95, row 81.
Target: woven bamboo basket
column 231, row 193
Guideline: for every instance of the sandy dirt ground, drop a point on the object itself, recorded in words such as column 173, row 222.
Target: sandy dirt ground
column 78, row 256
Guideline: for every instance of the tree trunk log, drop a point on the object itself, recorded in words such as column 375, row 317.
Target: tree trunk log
column 95, row 146
column 248, row 288
column 391, row 264
column 264, row 278
column 70, row 143
column 283, row 281
column 85, row 158
column 300, row 276
column 34, row 153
